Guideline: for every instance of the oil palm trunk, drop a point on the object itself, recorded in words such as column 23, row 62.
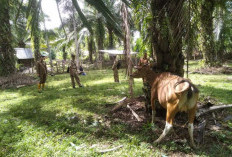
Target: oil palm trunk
column 7, row 57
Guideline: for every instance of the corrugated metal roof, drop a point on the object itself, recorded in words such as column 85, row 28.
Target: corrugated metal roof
column 24, row 53
column 116, row 52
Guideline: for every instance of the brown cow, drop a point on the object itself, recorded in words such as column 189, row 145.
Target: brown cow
column 174, row 93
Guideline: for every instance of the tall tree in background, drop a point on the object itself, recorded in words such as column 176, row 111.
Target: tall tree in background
column 7, row 58
column 127, row 46
column 91, row 48
column 19, row 30
column 223, row 23
column 100, row 35
column 48, row 44
column 34, row 8
column 62, row 25
column 207, row 9
column 76, row 41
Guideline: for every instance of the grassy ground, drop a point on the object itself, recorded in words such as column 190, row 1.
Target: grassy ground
column 45, row 124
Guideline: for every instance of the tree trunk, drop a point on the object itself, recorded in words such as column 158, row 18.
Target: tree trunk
column 35, row 30
column 7, row 58
column 58, row 9
column 64, row 53
column 127, row 46
column 167, row 35
column 76, row 41
column 111, row 39
column 100, row 36
column 48, row 47
column 209, row 55
column 90, row 48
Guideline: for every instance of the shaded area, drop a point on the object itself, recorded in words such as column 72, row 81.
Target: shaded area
column 216, row 133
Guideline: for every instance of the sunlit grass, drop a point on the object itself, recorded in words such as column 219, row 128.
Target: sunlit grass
column 40, row 124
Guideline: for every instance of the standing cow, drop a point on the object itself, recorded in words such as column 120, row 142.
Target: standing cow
column 174, row 93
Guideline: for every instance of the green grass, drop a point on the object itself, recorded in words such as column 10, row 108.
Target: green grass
column 41, row 124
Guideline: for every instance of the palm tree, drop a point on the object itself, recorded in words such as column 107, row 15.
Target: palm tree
column 100, row 35
column 127, row 46
column 62, row 24
column 34, row 8
column 19, row 30
column 167, row 32
column 48, row 44
column 207, row 9
column 7, row 58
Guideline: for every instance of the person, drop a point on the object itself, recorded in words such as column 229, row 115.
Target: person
column 74, row 73
column 42, row 71
column 115, row 68
column 144, row 60
column 81, row 71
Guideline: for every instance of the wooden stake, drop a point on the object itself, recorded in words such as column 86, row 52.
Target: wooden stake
column 120, row 104
column 133, row 112
column 210, row 109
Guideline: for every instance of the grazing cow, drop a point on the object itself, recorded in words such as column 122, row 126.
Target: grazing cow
column 174, row 93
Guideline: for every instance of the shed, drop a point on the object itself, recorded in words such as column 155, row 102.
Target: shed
column 120, row 53
column 25, row 57
column 116, row 52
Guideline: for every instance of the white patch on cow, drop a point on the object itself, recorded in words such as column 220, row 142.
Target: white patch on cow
column 190, row 130
column 167, row 129
column 186, row 104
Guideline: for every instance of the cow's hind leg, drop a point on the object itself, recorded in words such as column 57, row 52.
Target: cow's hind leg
column 191, row 116
column 171, row 112
column 153, row 107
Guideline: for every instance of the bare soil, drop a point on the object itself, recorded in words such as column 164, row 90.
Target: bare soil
column 214, row 70
column 215, row 121
column 17, row 80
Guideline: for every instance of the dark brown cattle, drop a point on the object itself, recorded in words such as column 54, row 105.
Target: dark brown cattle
column 174, row 93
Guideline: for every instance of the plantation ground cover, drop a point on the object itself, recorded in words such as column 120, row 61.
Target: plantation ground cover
column 46, row 124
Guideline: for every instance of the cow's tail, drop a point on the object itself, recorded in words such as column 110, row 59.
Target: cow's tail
column 185, row 85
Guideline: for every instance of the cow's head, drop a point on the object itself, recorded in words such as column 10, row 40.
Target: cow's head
column 141, row 71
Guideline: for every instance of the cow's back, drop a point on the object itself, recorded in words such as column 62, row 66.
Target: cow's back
column 165, row 85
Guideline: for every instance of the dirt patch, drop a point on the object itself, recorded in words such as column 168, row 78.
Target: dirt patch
column 205, row 125
column 124, row 114
column 17, row 80
column 214, row 70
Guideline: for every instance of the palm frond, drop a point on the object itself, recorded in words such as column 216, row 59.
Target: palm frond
column 82, row 16
column 101, row 7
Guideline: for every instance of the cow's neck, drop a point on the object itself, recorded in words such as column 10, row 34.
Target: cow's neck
column 151, row 76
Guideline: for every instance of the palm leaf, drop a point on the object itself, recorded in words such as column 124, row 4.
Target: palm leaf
column 101, row 7
column 82, row 16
